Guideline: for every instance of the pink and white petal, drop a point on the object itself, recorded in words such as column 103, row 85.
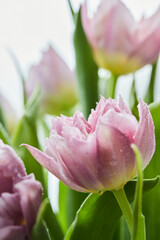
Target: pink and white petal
column 75, row 163
column 10, row 209
column 55, row 166
column 87, row 24
column 93, row 117
column 80, row 122
column 46, row 161
column 12, row 232
column 148, row 25
column 30, row 193
column 123, row 107
column 63, row 173
column 125, row 123
column 116, row 160
column 152, row 44
column 10, row 164
column 6, row 184
column 117, row 25
column 144, row 137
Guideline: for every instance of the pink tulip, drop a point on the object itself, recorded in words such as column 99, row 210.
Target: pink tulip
column 20, row 197
column 56, row 80
column 120, row 44
column 96, row 155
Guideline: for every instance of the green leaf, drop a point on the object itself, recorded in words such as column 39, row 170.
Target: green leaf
column 72, row 11
column 62, row 214
column 4, row 135
column 26, row 132
column 86, row 69
column 47, row 226
column 111, row 88
column 40, row 230
column 138, row 218
column 133, row 102
column 122, row 231
column 69, row 203
column 52, row 223
column 149, row 98
column 98, row 216
column 151, row 200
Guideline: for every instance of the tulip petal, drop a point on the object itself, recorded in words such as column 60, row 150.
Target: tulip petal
column 70, row 160
column 123, row 107
column 10, row 210
column 144, row 137
column 115, row 20
column 125, row 123
column 30, row 193
column 12, row 232
column 116, row 159
column 87, row 24
column 10, row 164
column 55, row 166
column 45, row 160
column 148, row 37
column 11, row 217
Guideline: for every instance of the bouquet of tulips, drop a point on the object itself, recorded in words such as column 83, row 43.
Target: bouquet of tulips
column 105, row 152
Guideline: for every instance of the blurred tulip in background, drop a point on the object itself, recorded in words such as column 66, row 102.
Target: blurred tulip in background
column 8, row 116
column 57, row 83
column 120, row 44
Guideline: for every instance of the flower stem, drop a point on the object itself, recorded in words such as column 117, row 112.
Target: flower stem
column 125, row 207
column 112, row 86
column 139, row 232
column 149, row 98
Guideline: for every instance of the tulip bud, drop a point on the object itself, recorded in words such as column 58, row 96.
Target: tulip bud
column 120, row 44
column 96, row 155
column 20, row 196
column 8, row 115
column 57, row 83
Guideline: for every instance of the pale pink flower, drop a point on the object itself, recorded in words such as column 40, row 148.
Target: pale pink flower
column 20, row 197
column 96, row 155
column 56, row 80
column 120, row 44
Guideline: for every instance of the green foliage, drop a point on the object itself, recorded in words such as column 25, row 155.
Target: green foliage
column 99, row 216
column 4, row 135
column 149, row 98
column 69, row 203
column 26, row 132
column 86, row 68
column 133, row 102
column 138, row 218
column 47, row 226
column 151, row 200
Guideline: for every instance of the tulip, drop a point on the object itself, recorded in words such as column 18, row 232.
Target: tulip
column 20, row 197
column 120, row 44
column 57, row 83
column 96, row 155
column 8, row 115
